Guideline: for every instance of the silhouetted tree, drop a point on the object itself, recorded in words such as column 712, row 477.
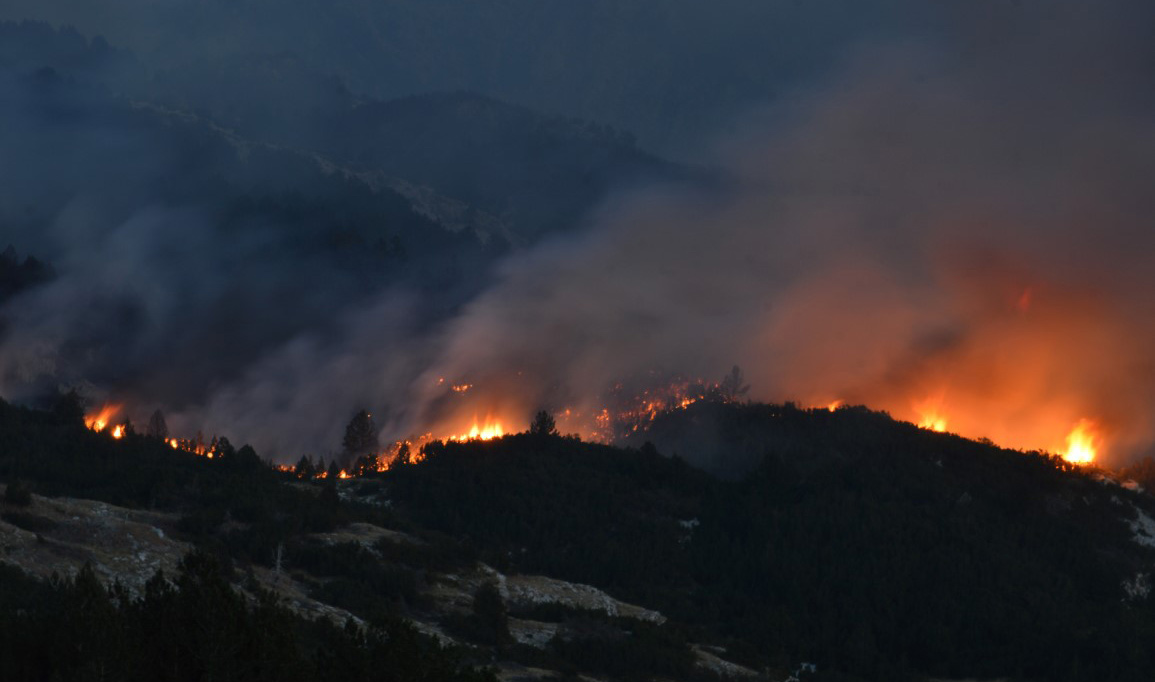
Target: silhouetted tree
column 304, row 469
column 69, row 408
column 731, row 387
column 404, row 456
column 157, row 427
column 360, row 436
column 543, row 424
column 490, row 617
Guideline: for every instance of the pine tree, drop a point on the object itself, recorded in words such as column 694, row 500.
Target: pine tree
column 360, row 436
column 157, row 428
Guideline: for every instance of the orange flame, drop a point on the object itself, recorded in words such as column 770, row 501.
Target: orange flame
column 118, row 431
column 1082, row 443
column 933, row 422
column 931, row 415
column 487, row 430
column 101, row 420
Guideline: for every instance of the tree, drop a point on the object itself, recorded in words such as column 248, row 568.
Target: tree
column 543, row 424
column 360, row 436
column 366, row 464
column 404, row 456
column 305, row 469
column 157, row 428
column 69, row 407
column 731, row 387
column 490, row 618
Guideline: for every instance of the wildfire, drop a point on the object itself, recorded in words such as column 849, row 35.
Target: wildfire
column 931, row 415
column 118, row 431
column 933, row 422
column 1082, row 443
column 487, row 430
column 101, row 420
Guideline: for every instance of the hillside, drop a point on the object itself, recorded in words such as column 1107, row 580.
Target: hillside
column 870, row 548
column 176, row 205
column 519, row 174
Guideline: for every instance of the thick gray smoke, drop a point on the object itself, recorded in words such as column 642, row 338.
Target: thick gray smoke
column 954, row 232
column 956, row 227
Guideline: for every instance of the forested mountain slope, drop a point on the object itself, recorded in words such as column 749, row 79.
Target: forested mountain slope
column 872, row 548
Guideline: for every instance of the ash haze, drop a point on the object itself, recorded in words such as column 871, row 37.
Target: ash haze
column 941, row 213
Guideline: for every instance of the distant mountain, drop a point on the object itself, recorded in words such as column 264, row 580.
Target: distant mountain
column 516, row 173
column 674, row 71
column 214, row 187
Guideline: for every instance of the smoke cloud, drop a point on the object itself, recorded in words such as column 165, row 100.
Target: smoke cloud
column 954, row 230
column 956, row 225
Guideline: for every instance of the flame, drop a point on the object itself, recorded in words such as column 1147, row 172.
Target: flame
column 487, row 430
column 1082, row 442
column 834, row 405
column 933, row 422
column 118, row 431
column 101, row 420
column 930, row 415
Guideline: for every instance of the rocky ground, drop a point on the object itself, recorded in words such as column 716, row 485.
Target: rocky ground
column 57, row 536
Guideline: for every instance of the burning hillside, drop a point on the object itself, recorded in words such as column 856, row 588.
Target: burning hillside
column 962, row 243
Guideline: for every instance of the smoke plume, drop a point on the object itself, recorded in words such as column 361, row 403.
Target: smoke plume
column 952, row 226
column 955, row 230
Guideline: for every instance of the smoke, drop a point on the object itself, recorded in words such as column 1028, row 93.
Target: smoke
column 953, row 226
column 956, row 229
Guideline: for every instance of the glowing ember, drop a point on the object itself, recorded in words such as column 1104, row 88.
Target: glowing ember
column 1082, row 443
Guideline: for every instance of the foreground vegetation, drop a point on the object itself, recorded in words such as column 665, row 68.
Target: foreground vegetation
column 871, row 548
column 197, row 627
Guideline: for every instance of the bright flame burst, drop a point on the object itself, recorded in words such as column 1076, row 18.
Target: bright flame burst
column 101, row 420
column 930, row 415
column 933, row 422
column 487, row 430
column 1082, row 443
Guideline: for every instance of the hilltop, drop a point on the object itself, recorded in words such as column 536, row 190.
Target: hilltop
column 870, row 548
